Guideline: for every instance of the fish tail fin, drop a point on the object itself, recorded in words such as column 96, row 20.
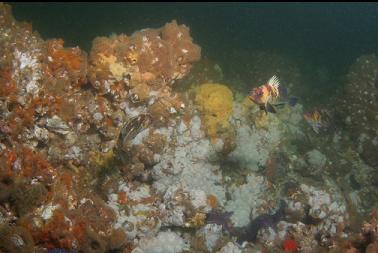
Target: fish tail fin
column 317, row 127
column 293, row 101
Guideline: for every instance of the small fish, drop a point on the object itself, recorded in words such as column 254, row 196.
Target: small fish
column 130, row 130
column 314, row 119
column 269, row 93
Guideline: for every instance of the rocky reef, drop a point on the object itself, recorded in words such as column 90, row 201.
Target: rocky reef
column 67, row 121
column 358, row 107
column 105, row 152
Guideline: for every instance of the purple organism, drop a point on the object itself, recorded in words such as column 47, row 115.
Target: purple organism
column 220, row 218
column 249, row 233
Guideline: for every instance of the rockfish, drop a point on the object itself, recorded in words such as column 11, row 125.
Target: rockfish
column 318, row 119
column 314, row 119
column 268, row 94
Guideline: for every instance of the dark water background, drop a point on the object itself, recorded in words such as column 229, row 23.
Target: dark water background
column 326, row 35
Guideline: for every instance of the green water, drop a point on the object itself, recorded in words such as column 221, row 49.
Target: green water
column 322, row 38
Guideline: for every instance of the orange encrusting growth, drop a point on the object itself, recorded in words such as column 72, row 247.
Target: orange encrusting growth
column 122, row 198
column 24, row 116
column 62, row 61
column 79, row 230
column 34, row 163
column 67, row 179
column 9, row 156
column 63, row 57
column 212, row 201
column 30, row 164
column 53, row 233
column 7, row 85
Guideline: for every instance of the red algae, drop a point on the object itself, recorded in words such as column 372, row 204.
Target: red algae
column 67, row 179
column 290, row 245
column 122, row 198
column 72, row 60
column 8, row 86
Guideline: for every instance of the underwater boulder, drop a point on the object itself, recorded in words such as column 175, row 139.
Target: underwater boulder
column 358, row 107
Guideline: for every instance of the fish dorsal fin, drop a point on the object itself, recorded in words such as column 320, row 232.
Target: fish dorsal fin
column 274, row 82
